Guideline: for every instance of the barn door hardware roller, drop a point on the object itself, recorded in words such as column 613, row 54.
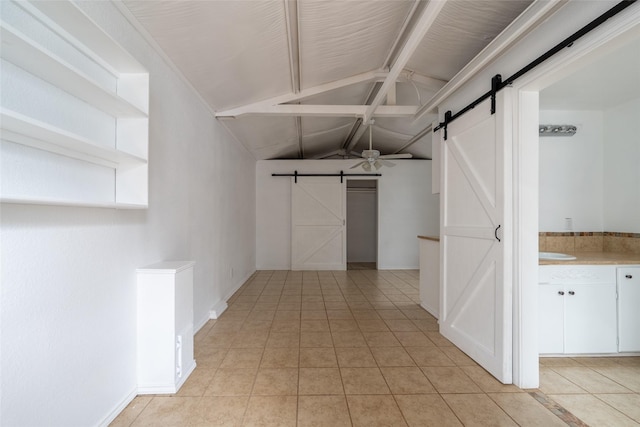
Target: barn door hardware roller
column 496, row 82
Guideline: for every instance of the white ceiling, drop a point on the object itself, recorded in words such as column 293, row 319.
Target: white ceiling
column 610, row 81
column 263, row 56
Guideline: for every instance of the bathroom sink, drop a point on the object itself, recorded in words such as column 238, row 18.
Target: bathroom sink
column 555, row 256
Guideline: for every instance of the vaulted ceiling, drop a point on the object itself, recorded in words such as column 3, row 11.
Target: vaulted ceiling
column 303, row 78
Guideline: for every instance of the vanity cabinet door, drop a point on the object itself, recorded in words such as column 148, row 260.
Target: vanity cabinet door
column 629, row 309
column 590, row 318
column 551, row 320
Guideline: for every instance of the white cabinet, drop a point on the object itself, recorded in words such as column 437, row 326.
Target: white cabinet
column 629, row 309
column 590, row 318
column 74, row 110
column 551, row 318
column 165, row 326
column 577, row 310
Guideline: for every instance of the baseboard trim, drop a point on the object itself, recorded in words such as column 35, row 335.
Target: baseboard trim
column 430, row 310
column 220, row 307
column 118, row 409
column 168, row 388
column 203, row 321
column 238, row 285
column 217, row 309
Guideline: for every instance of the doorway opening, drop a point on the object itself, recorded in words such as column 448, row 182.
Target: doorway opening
column 362, row 224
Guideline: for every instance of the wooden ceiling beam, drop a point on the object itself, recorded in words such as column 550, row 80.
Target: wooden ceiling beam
column 308, row 110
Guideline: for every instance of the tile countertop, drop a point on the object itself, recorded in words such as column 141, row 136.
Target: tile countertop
column 432, row 238
column 596, row 258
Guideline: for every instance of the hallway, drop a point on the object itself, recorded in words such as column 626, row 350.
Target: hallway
column 354, row 348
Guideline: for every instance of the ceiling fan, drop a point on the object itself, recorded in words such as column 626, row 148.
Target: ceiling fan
column 373, row 159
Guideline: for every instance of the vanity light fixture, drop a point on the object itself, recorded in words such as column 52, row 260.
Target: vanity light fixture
column 557, row 130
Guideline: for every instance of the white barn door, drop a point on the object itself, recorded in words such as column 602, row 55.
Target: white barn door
column 318, row 224
column 476, row 305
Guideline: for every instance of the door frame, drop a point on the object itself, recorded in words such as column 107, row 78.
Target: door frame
column 525, row 182
column 364, row 178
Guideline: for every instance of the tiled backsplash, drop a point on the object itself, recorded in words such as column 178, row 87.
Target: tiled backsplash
column 589, row 242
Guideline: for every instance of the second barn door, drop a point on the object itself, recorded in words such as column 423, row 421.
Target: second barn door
column 318, row 223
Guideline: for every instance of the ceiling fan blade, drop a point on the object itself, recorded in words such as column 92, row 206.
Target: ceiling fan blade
column 386, row 163
column 358, row 164
column 397, row 156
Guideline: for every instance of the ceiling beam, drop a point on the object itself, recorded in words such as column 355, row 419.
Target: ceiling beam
column 415, row 139
column 402, row 34
column 427, row 17
column 526, row 22
column 291, row 19
column 304, row 93
column 308, row 110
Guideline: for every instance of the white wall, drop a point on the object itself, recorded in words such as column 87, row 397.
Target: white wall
column 406, row 209
column 571, row 172
column 622, row 168
column 68, row 274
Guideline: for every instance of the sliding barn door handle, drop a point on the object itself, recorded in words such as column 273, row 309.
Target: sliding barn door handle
column 496, row 232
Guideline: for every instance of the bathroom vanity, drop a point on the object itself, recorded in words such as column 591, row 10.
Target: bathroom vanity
column 589, row 305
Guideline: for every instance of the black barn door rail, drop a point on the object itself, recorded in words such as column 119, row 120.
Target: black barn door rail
column 295, row 174
column 497, row 83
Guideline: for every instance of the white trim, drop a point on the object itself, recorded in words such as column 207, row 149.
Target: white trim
column 108, row 419
column 168, row 389
column 425, row 21
column 525, row 240
column 200, row 324
column 217, row 309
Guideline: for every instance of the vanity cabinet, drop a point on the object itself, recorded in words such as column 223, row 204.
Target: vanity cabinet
column 577, row 310
column 165, row 326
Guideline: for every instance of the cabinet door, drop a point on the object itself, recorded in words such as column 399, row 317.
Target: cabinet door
column 551, row 318
column 628, row 305
column 590, row 318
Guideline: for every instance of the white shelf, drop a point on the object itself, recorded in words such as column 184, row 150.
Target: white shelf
column 67, row 20
column 24, row 130
column 65, row 202
column 71, row 61
column 26, row 54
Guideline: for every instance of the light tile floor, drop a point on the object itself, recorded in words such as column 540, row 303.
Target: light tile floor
column 354, row 348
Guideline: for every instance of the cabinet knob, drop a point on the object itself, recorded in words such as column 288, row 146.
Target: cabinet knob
column 571, row 293
column 560, row 292
column 628, row 276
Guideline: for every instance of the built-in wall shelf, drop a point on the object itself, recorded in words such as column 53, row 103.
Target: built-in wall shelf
column 89, row 102
column 27, row 54
column 24, row 130
column 64, row 202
